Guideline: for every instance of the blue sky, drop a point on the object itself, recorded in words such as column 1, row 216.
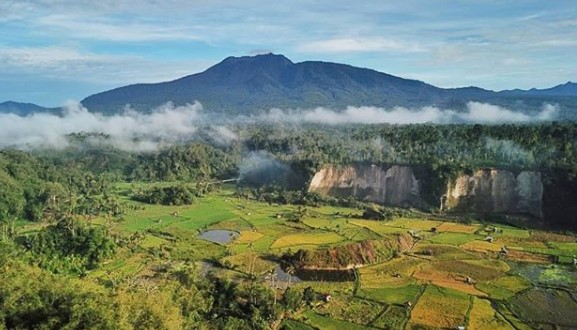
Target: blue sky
column 52, row 51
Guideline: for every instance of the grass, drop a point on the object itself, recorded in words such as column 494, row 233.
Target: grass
column 351, row 309
column 238, row 224
column 151, row 241
column 326, row 287
column 294, row 325
column 431, row 275
column 394, row 318
column 515, row 232
column 440, row 308
column 206, row 211
column 328, row 323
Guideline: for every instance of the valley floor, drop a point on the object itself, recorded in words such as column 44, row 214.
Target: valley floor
column 455, row 274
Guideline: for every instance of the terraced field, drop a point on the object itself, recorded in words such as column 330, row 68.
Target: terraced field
column 448, row 275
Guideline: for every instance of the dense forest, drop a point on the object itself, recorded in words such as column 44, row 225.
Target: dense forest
column 63, row 190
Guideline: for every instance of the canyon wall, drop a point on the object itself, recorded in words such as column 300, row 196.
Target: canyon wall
column 484, row 191
column 395, row 186
column 496, row 191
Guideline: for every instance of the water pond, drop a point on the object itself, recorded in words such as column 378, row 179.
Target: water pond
column 219, row 236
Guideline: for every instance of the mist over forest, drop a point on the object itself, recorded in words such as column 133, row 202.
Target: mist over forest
column 167, row 125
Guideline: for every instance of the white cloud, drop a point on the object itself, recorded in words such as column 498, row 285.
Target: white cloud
column 475, row 113
column 128, row 131
column 49, row 57
column 361, row 44
column 170, row 124
column 65, row 63
column 117, row 30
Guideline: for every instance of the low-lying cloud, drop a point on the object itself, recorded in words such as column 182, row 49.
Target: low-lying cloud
column 475, row 112
column 169, row 124
column 130, row 130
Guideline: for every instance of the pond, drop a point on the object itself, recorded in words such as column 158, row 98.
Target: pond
column 555, row 274
column 219, row 236
column 283, row 276
column 326, row 275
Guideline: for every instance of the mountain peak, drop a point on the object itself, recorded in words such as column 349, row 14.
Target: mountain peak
column 262, row 60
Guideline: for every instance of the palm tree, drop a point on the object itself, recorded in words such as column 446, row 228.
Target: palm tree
column 290, row 270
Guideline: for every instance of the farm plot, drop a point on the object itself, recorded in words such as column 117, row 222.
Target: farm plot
column 453, row 238
column 307, row 238
column 248, row 236
column 481, row 246
column 457, row 228
column 552, row 237
column 483, row 316
column 249, row 263
column 504, row 287
column 394, row 318
column 392, row 274
column 442, row 252
column 379, row 227
column 342, row 227
column 546, row 306
column 397, row 295
column 440, row 308
column 350, row 309
column 327, row 323
column 446, row 279
column 414, row 224
column 479, row 270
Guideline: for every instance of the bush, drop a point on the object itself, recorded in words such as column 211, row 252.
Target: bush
column 172, row 195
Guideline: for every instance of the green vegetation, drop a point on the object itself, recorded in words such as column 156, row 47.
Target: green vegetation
column 99, row 238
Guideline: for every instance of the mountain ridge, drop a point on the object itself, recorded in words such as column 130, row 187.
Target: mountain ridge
column 254, row 84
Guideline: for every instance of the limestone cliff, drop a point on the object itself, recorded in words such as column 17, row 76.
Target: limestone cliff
column 496, row 191
column 396, row 185
column 485, row 191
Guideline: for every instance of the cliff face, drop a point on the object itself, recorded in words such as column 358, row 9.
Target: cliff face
column 396, row 186
column 485, row 191
column 496, row 191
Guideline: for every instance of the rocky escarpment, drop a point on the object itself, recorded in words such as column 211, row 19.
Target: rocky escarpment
column 484, row 191
column 395, row 186
column 496, row 191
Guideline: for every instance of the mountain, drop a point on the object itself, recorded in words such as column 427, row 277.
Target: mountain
column 252, row 84
column 21, row 109
column 568, row 89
